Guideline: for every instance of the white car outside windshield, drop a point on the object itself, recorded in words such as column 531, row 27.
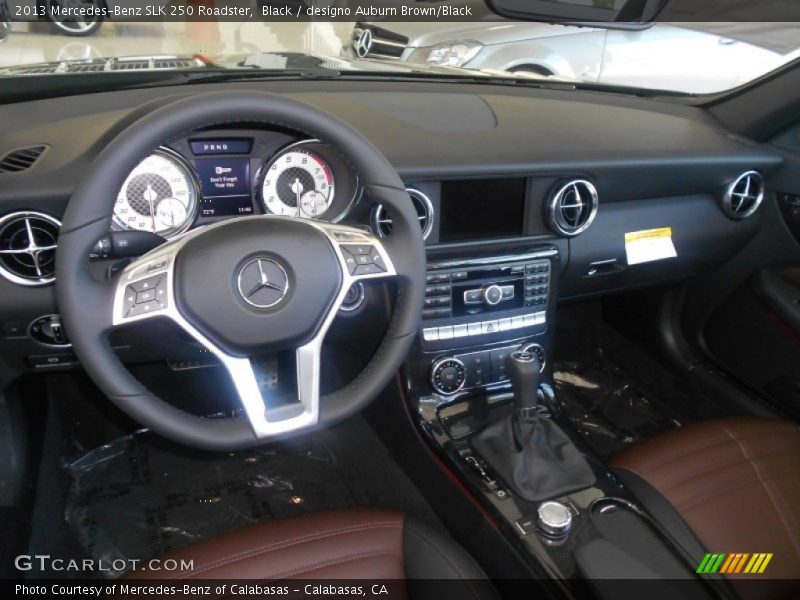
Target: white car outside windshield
column 686, row 58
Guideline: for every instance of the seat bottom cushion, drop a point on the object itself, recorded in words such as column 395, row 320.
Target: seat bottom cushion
column 353, row 544
column 734, row 482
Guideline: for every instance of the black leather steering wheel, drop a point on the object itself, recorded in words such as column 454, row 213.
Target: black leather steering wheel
column 243, row 286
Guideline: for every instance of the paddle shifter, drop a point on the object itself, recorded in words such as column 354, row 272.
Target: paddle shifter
column 529, row 451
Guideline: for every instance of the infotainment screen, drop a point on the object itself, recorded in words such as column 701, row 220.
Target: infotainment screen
column 225, row 186
column 480, row 209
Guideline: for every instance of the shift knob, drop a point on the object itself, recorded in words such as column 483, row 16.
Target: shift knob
column 523, row 372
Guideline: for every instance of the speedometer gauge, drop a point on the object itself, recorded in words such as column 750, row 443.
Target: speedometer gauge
column 297, row 183
column 159, row 195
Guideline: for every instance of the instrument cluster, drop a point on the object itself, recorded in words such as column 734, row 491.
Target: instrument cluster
column 210, row 176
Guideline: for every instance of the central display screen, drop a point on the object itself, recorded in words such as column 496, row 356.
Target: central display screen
column 225, row 186
column 481, row 209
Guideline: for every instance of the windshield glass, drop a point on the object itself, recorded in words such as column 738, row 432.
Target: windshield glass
column 693, row 58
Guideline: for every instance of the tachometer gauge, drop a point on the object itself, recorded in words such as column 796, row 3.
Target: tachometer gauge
column 159, row 195
column 297, row 183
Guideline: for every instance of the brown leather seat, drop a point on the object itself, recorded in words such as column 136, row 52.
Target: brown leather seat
column 374, row 544
column 734, row 482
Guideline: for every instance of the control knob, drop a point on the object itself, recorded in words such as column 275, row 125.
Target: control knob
column 555, row 519
column 492, row 295
column 448, row 375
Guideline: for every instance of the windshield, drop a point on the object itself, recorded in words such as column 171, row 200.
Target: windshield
column 692, row 58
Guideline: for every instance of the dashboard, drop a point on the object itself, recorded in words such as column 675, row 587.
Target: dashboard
column 217, row 174
column 497, row 175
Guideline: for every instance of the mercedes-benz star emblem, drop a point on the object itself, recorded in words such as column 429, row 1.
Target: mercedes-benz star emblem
column 363, row 43
column 262, row 282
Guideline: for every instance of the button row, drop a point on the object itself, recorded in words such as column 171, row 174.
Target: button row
column 436, row 313
column 538, row 267
column 479, row 295
column 446, row 277
column 449, row 332
column 485, row 367
column 437, row 301
column 535, row 300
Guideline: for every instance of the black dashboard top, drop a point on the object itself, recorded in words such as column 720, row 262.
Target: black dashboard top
column 631, row 146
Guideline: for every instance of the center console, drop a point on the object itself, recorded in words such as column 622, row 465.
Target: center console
column 493, row 419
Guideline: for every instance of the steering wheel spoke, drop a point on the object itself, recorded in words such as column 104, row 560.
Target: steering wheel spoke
column 146, row 289
column 267, row 418
column 268, row 421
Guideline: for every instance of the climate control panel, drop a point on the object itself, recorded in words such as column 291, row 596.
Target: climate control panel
column 452, row 374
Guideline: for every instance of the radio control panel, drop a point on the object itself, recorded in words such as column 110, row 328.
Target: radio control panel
column 484, row 289
column 485, row 301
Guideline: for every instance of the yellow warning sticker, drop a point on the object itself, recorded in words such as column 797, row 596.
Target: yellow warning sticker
column 649, row 245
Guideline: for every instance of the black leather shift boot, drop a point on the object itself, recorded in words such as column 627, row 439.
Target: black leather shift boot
column 536, row 459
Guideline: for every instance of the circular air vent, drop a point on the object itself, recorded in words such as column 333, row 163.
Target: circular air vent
column 382, row 220
column 572, row 207
column 743, row 197
column 28, row 247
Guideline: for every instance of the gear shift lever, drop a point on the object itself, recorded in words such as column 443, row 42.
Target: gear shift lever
column 523, row 372
column 529, row 452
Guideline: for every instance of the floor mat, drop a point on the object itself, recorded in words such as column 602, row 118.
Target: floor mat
column 617, row 395
column 134, row 498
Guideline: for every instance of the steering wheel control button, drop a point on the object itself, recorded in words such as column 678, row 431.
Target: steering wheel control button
column 377, row 260
column 448, row 375
column 363, row 259
column 145, row 296
column 146, row 284
column 350, row 261
column 157, row 265
column 358, row 249
column 554, row 519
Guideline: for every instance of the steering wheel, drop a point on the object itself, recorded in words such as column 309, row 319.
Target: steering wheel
column 240, row 287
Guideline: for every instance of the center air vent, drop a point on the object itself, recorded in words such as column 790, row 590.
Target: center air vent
column 382, row 220
column 20, row 159
column 28, row 247
column 572, row 207
column 743, row 197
